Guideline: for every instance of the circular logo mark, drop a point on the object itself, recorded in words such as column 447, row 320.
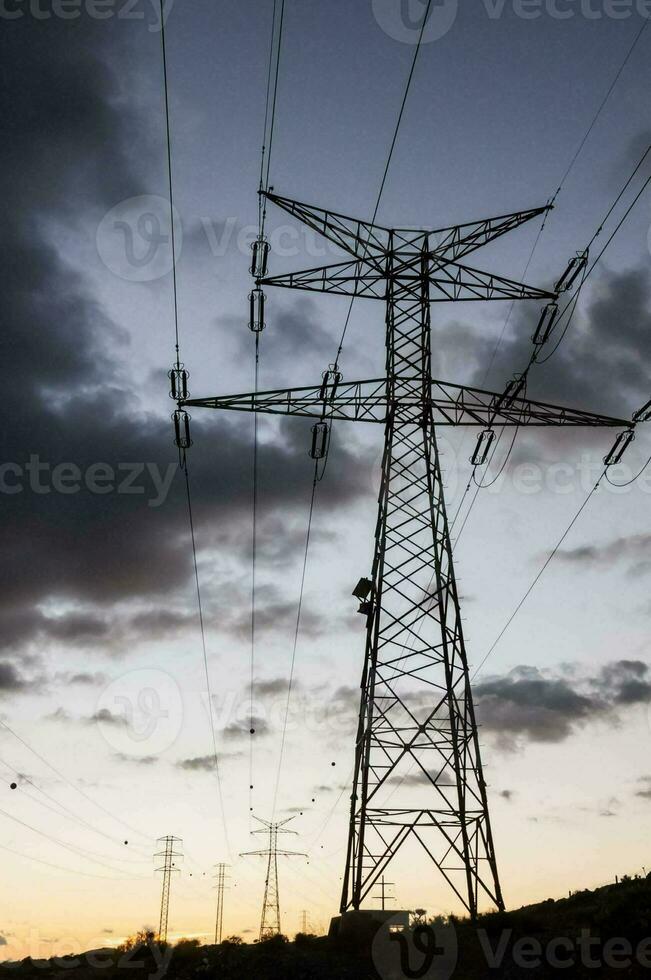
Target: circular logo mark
column 140, row 714
column 134, row 239
column 403, row 19
column 428, row 951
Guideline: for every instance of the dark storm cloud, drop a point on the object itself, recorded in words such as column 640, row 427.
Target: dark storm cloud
column 602, row 364
column 83, row 678
column 625, row 682
column 634, row 550
column 296, row 332
column 420, row 778
column 72, row 149
column 204, row 763
column 273, row 687
column 273, row 615
column 532, row 705
column 106, row 717
column 644, row 793
column 60, row 714
column 12, row 681
column 241, row 729
column 138, row 760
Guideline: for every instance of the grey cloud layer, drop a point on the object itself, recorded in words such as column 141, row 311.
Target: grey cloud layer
column 73, row 148
column 544, row 706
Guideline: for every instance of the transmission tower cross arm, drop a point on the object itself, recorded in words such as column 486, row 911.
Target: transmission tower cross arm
column 459, row 240
column 364, row 239
column 368, row 401
column 450, row 281
column 359, row 238
column 359, row 278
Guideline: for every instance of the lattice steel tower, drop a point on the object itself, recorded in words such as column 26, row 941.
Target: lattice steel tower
column 416, row 710
column 270, row 919
column 170, row 857
column 220, row 876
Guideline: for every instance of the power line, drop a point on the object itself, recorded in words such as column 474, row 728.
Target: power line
column 621, row 221
column 61, row 776
column 58, row 867
column 254, row 556
column 296, row 632
column 261, row 249
column 60, row 843
column 266, row 112
column 270, row 112
column 204, row 650
column 275, row 90
column 64, row 810
column 182, row 376
column 540, row 574
column 389, row 159
column 169, row 176
column 603, row 105
column 572, row 303
column 336, row 364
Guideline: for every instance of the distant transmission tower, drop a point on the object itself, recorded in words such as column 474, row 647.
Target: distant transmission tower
column 304, row 922
column 220, row 875
column 270, row 920
column 170, row 857
column 414, row 635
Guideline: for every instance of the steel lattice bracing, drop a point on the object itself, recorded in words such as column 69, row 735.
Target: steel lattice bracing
column 368, row 401
column 416, row 708
column 365, row 240
column 418, row 771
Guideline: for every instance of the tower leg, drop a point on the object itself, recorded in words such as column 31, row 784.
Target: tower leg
column 417, row 731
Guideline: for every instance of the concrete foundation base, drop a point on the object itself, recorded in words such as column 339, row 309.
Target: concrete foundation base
column 365, row 922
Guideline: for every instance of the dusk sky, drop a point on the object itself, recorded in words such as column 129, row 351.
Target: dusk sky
column 102, row 678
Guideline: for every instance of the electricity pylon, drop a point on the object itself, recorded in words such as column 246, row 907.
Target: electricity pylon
column 270, row 920
column 416, row 705
column 169, row 856
column 220, row 875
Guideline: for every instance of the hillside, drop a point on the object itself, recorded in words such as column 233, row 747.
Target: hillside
column 600, row 933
